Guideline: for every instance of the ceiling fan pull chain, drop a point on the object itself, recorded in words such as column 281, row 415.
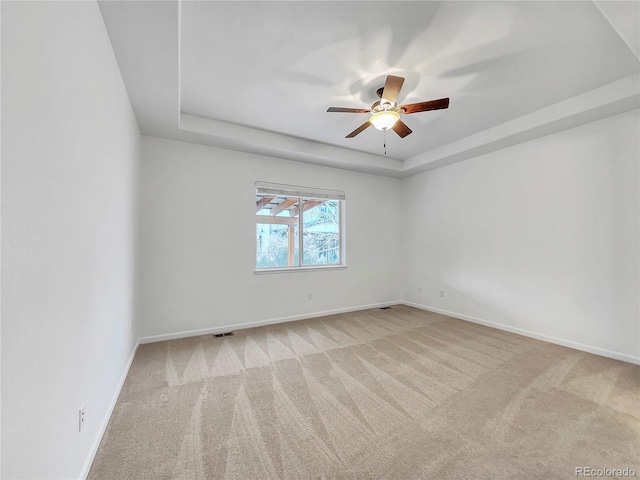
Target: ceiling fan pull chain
column 384, row 133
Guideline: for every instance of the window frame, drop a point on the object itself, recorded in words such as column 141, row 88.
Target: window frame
column 305, row 194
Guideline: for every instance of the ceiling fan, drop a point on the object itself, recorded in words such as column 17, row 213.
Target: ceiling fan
column 385, row 113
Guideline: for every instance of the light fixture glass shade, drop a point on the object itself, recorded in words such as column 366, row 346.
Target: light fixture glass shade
column 384, row 119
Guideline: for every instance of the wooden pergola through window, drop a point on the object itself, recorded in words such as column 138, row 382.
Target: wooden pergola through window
column 283, row 210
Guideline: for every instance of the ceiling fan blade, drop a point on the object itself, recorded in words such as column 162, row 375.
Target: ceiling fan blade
column 360, row 129
column 392, row 88
column 401, row 128
column 348, row 110
column 425, row 106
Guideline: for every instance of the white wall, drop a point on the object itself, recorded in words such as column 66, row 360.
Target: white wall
column 542, row 237
column 70, row 155
column 197, row 250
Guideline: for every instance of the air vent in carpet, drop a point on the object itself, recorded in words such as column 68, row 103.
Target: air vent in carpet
column 385, row 308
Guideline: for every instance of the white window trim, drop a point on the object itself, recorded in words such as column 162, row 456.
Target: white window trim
column 307, row 193
column 306, row 268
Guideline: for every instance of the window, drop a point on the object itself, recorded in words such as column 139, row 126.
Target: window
column 283, row 212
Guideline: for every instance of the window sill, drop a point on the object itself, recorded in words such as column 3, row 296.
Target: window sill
column 299, row 269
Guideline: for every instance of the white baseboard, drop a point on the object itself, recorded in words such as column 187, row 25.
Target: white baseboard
column 528, row 333
column 259, row 323
column 105, row 421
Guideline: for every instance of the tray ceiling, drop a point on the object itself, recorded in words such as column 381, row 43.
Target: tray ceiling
column 259, row 76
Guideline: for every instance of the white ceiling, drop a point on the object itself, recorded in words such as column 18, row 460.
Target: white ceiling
column 259, row 76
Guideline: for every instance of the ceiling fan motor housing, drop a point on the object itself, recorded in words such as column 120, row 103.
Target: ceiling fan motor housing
column 379, row 107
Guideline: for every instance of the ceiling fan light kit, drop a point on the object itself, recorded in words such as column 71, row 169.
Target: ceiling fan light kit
column 385, row 113
column 384, row 119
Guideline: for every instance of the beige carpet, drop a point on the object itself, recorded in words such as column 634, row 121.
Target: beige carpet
column 398, row 393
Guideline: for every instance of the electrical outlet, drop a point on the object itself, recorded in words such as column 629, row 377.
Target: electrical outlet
column 442, row 293
column 310, row 296
column 81, row 418
column 419, row 289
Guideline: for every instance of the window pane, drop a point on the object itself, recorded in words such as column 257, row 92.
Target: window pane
column 321, row 232
column 277, row 243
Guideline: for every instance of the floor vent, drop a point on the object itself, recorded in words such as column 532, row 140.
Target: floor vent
column 226, row 334
column 385, row 308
